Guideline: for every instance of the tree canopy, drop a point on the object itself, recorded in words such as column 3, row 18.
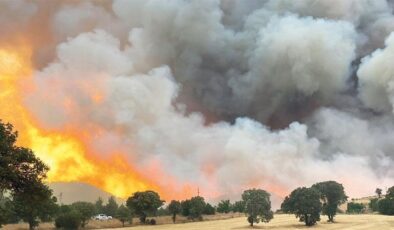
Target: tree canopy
column 386, row 205
column 332, row 195
column 257, row 205
column 174, row 208
column 305, row 204
column 144, row 204
column 224, row 206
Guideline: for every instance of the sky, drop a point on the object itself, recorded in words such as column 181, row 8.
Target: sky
column 211, row 95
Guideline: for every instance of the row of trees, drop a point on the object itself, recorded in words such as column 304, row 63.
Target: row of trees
column 384, row 205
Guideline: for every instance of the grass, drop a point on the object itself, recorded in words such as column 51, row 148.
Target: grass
column 234, row 221
column 284, row 222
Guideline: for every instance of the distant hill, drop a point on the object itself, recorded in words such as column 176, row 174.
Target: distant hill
column 69, row 192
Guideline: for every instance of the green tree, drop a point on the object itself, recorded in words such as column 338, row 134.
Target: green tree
column 70, row 219
column 124, row 214
column 33, row 203
column 355, row 208
column 257, row 206
column 86, row 211
column 144, row 204
column 332, row 195
column 111, row 207
column 175, row 208
column 209, row 209
column 185, row 205
column 224, row 206
column 386, row 205
column 373, row 204
column 99, row 205
column 238, row 206
column 378, row 192
column 20, row 169
column 197, row 206
column 305, row 204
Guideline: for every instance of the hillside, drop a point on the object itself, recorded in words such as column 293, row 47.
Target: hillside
column 69, row 192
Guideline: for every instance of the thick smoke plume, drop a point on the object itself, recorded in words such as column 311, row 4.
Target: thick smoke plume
column 223, row 95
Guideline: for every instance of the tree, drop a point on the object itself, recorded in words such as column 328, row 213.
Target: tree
column 33, row 203
column 378, row 192
column 209, row 209
column 86, row 211
column 124, row 214
column 224, row 206
column 99, row 205
column 70, row 219
column 332, row 195
column 373, row 204
column 20, row 169
column 197, row 206
column 257, row 206
column 386, row 205
column 175, row 208
column 355, row 208
column 185, row 205
column 238, row 206
column 305, row 204
column 144, row 204
column 112, row 207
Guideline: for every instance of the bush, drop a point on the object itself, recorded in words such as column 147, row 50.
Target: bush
column 386, row 206
column 373, row 204
column 152, row 222
column 69, row 220
column 355, row 208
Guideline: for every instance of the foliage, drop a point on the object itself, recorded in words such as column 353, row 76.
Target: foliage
column 144, row 204
column 197, row 206
column 224, row 206
column 185, row 206
column 373, row 204
column 355, row 208
column 174, row 208
column 111, row 208
column 33, row 203
column 378, row 192
column 99, row 206
column 68, row 220
column 21, row 175
column 332, row 195
column 386, row 205
column 163, row 211
column 257, row 205
column 238, row 206
column 86, row 211
column 305, row 204
column 209, row 209
column 124, row 214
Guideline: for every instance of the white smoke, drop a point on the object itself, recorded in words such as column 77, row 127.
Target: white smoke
column 200, row 87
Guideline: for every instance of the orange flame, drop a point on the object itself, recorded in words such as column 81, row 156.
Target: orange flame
column 64, row 152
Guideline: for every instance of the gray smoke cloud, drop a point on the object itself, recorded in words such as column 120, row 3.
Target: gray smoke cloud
column 225, row 94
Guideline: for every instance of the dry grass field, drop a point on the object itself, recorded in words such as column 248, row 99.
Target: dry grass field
column 280, row 222
column 284, row 222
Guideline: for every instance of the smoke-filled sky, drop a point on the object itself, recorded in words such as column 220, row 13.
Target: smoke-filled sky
column 222, row 95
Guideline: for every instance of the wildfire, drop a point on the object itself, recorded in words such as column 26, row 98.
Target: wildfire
column 64, row 152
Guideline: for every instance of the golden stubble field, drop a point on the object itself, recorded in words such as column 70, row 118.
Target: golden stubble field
column 284, row 222
column 280, row 222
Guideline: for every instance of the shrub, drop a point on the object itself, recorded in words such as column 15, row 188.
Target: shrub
column 68, row 220
column 355, row 208
column 152, row 222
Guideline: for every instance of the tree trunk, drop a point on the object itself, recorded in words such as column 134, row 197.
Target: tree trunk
column 173, row 218
column 123, row 223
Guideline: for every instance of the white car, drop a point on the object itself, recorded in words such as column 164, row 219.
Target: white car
column 102, row 217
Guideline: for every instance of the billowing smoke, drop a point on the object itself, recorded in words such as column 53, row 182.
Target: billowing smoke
column 225, row 94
